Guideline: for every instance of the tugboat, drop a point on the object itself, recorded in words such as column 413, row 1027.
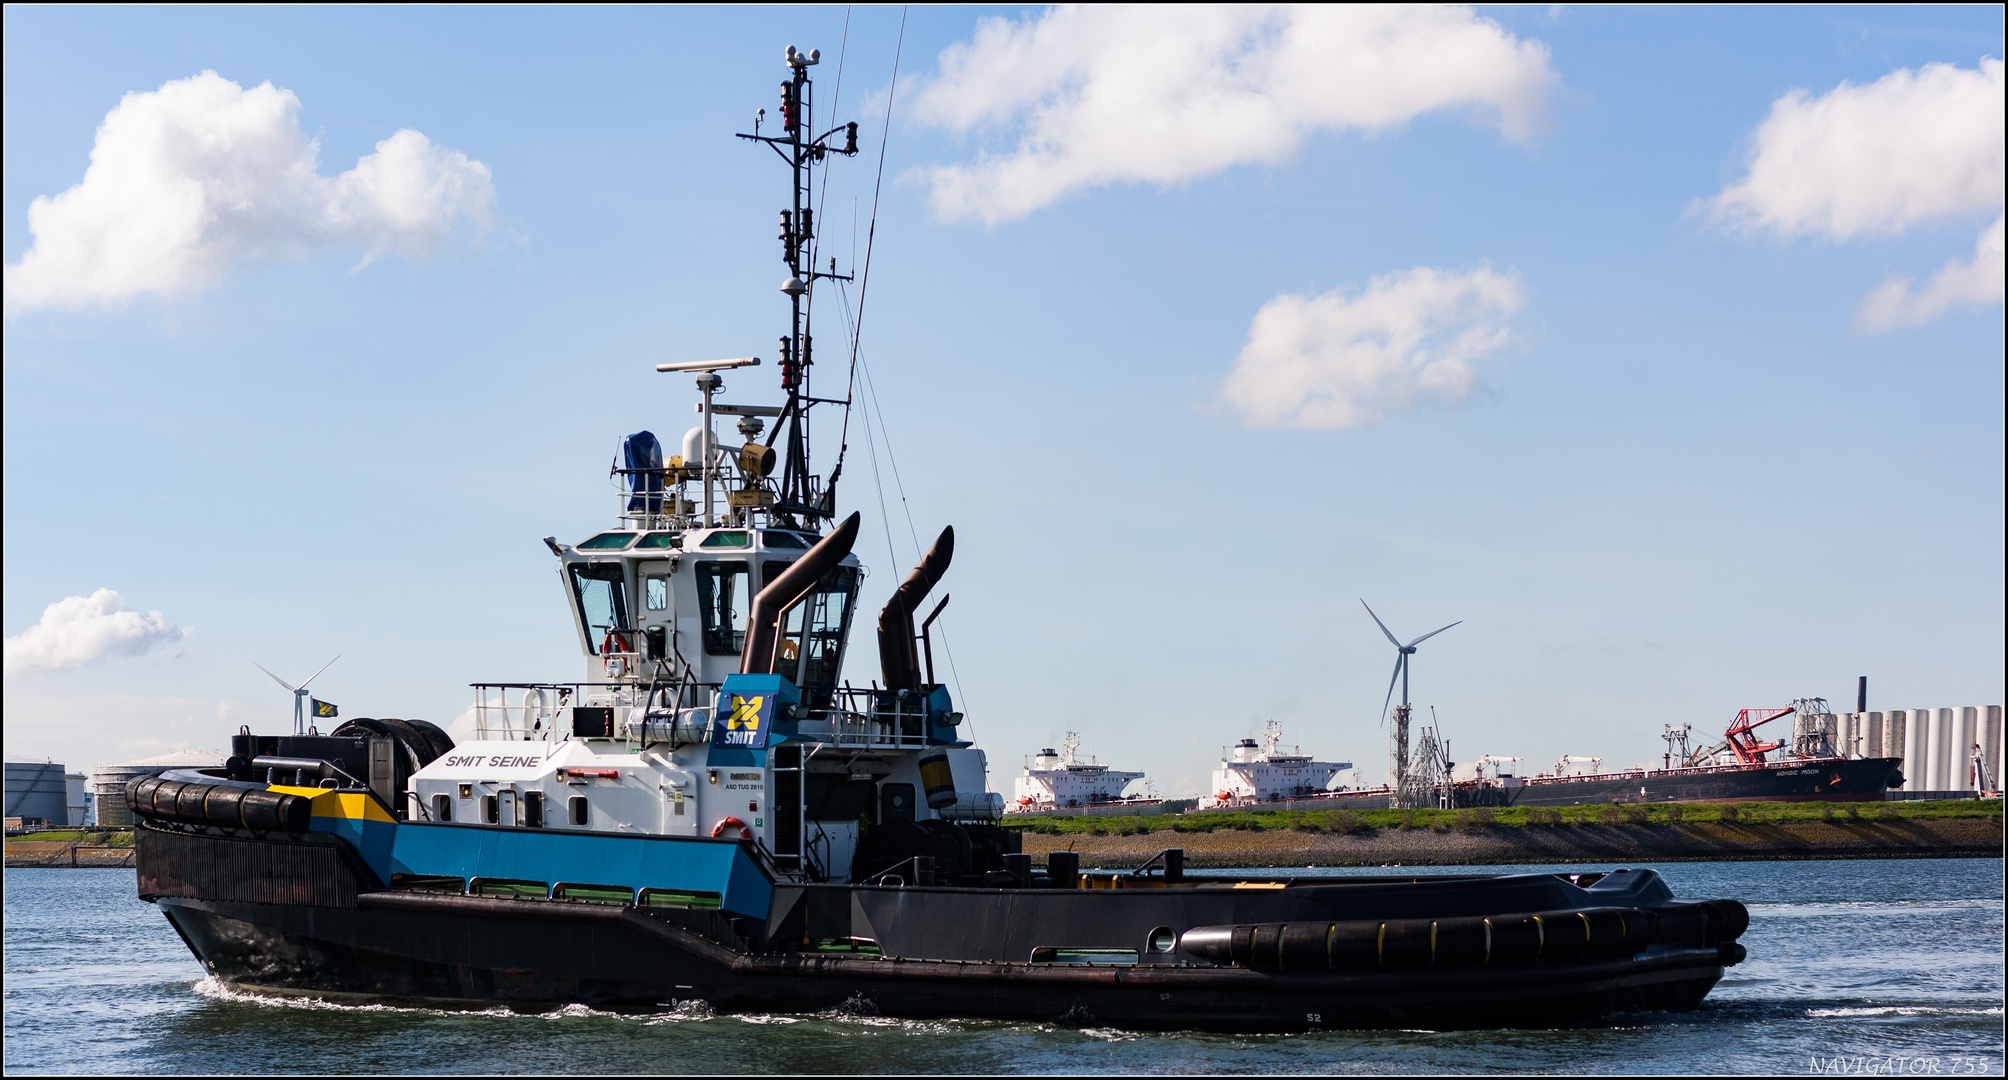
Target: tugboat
column 1250, row 775
column 715, row 813
column 1060, row 780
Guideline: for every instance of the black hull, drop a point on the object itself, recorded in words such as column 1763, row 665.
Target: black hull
column 458, row 951
column 297, row 915
column 1817, row 780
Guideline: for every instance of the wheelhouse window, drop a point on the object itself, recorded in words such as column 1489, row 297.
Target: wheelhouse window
column 600, row 590
column 813, row 633
column 735, row 538
column 778, row 539
column 661, row 540
column 611, row 541
column 723, row 601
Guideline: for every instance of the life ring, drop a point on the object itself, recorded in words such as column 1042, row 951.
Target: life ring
column 718, row 830
column 615, row 643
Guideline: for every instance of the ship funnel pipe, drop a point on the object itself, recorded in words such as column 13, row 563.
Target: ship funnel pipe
column 763, row 622
column 898, row 662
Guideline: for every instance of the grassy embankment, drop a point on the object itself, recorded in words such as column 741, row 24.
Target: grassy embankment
column 94, row 837
column 1349, row 822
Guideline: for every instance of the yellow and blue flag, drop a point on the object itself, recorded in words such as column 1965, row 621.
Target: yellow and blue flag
column 324, row 708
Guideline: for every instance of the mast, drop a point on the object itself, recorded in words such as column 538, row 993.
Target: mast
column 800, row 500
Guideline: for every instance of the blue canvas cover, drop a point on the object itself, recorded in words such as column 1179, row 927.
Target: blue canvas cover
column 642, row 452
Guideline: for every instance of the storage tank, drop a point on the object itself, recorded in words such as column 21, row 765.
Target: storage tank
column 1872, row 734
column 1990, row 742
column 1914, row 767
column 75, row 795
column 35, row 789
column 108, row 782
column 1967, row 733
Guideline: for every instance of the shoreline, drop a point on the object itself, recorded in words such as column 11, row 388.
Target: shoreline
column 1576, row 843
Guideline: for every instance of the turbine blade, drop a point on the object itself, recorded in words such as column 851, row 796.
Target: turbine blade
column 275, row 678
column 331, row 663
column 1399, row 660
column 1382, row 625
column 1431, row 634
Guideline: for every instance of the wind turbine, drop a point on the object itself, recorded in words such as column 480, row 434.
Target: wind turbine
column 299, row 693
column 1403, row 652
column 1405, row 793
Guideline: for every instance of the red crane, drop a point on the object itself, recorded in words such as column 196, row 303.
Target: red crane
column 1748, row 750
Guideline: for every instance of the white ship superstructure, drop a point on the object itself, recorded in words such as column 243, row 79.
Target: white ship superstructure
column 1250, row 774
column 1059, row 780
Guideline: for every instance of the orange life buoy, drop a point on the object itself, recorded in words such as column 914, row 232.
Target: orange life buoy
column 718, row 830
column 613, row 646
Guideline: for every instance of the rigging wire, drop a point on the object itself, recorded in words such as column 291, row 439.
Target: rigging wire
column 860, row 375
column 871, row 233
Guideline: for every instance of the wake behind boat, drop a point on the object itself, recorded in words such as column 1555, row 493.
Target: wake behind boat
column 715, row 813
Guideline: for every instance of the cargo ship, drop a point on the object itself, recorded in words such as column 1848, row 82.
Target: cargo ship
column 715, row 813
column 1252, row 774
column 1740, row 768
column 1060, row 780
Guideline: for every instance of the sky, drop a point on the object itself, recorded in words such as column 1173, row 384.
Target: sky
column 1661, row 347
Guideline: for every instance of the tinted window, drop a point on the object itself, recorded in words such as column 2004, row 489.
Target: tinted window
column 613, row 541
column 785, row 540
column 601, row 592
column 727, row 540
column 722, row 603
column 813, row 633
column 661, row 540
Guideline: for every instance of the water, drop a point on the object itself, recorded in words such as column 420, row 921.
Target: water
column 1855, row 966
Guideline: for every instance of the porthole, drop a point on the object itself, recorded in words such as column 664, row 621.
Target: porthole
column 1163, row 939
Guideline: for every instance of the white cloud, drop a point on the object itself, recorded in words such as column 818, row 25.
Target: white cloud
column 1908, row 150
column 1110, row 94
column 187, row 179
column 80, row 630
column 1342, row 360
column 463, row 728
column 1975, row 282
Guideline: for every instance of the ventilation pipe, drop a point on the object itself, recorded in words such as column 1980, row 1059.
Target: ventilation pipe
column 763, row 622
column 897, row 659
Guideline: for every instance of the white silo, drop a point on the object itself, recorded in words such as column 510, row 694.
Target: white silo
column 1940, row 750
column 1967, row 733
column 1990, row 742
column 1872, row 734
column 1914, row 769
column 74, row 786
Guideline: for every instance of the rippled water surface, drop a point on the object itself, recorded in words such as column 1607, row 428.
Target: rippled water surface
column 1855, row 966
